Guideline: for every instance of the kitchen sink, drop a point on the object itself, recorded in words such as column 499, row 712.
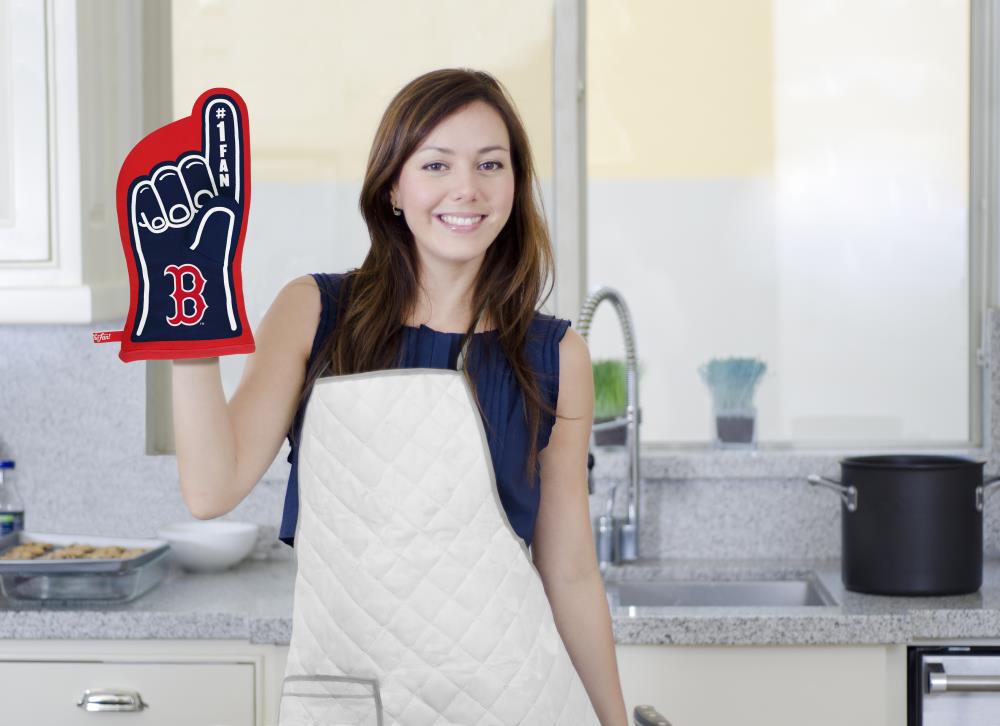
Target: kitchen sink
column 792, row 592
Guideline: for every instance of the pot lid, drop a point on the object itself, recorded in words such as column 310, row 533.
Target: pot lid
column 909, row 461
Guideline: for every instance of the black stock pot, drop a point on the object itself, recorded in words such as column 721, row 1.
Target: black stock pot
column 911, row 524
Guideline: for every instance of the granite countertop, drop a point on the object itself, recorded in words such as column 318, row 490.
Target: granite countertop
column 253, row 602
column 855, row 619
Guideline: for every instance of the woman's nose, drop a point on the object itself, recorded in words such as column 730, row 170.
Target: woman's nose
column 466, row 185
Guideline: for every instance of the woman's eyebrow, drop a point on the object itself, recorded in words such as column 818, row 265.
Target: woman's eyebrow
column 450, row 151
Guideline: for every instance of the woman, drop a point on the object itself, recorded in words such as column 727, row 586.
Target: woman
column 459, row 252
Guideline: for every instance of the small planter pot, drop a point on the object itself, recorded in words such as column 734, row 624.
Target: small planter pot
column 736, row 429
column 612, row 437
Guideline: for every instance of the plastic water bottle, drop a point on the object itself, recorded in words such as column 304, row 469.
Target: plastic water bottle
column 11, row 506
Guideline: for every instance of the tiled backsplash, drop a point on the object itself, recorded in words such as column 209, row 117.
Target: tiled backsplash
column 73, row 418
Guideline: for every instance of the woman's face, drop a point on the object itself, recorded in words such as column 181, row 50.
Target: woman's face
column 463, row 177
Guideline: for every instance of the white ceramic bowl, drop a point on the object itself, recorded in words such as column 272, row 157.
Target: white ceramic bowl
column 209, row 545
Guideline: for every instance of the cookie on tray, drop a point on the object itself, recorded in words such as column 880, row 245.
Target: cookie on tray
column 26, row 551
column 108, row 552
column 75, row 551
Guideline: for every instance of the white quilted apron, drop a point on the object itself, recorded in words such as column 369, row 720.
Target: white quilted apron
column 416, row 604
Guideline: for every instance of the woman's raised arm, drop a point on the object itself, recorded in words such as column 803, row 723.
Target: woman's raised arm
column 224, row 448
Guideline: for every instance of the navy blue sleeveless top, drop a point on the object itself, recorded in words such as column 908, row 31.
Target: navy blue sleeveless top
column 498, row 391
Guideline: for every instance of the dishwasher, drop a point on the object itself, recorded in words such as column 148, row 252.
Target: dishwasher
column 953, row 685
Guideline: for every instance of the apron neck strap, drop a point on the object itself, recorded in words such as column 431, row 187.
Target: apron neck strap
column 464, row 352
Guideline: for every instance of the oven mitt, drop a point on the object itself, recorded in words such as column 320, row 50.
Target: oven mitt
column 183, row 200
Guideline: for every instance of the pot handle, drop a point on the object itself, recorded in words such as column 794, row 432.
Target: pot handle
column 980, row 490
column 848, row 494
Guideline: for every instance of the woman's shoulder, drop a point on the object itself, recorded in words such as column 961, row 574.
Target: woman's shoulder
column 291, row 320
column 328, row 282
column 547, row 329
column 542, row 345
column 311, row 300
column 323, row 289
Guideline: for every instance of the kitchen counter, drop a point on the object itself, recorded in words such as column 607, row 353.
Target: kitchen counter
column 253, row 602
column 856, row 619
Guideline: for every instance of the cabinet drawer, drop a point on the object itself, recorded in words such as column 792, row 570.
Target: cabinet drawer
column 46, row 693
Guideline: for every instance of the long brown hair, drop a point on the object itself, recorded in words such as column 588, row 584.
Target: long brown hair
column 378, row 297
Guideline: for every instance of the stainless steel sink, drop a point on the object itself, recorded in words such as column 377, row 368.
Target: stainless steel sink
column 793, row 592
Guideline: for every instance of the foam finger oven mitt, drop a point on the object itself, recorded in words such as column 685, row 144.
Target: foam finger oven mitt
column 183, row 200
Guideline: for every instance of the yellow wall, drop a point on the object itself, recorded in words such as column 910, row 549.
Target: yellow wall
column 317, row 75
column 679, row 88
column 675, row 89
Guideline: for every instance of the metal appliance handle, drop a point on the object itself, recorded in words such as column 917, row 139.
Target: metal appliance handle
column 938, row 681
column 107, row 699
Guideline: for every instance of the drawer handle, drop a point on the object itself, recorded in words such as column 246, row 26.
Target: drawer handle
column 646, row 715
column 938, row 681
column 103, row 699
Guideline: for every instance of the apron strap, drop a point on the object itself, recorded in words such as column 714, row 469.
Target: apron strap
column 463, row 353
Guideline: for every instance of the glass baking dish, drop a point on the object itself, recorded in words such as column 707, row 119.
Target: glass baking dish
column 72, row 580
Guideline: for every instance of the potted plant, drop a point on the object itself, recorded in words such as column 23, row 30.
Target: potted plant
column 609, row 400
column 732, row 383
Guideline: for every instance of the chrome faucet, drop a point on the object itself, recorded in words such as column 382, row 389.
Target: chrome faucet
column 617, row 539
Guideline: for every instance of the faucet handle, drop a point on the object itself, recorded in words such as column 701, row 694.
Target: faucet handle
column 626, row 541
column 604, row 540
column 590, row 469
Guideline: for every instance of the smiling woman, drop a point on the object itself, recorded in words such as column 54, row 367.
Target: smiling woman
column 464, row 195
column 457, row 238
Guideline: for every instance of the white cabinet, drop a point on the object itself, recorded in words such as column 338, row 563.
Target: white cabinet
column 24, row 222
column 46, row 693
column 229, row 682
column 78, row 86
column 861, row 685
column 189, row 682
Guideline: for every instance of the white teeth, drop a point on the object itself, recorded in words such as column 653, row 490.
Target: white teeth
column 464, row 221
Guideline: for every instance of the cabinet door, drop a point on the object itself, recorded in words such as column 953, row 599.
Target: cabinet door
column 78, row 83
column 46, row 693
column 862, row 685
column 24, row 168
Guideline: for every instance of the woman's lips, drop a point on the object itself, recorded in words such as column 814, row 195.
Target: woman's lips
column 462, row 228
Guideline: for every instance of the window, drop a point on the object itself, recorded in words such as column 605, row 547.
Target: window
column 792, row 180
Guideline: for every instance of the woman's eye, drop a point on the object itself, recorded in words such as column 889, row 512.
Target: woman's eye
column 438, row 163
